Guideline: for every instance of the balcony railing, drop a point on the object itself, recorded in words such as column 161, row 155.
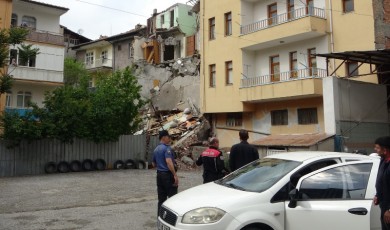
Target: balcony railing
column 97, row 63
column 283, row 18
column 284, row 77
column 20, row 111
column 45, row 37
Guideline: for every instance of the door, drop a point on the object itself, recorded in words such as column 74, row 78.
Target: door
column 272, row 14
column 337, row 197
column 309, row 7
column 275, row 68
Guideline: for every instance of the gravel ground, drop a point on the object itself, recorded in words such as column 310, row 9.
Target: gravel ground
column 124, row 199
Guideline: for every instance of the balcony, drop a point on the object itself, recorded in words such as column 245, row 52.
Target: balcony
column 45, row 37
column 292, row 84
column 99, row 63
column 34, row 74
column 300, row 24
column 20, row 111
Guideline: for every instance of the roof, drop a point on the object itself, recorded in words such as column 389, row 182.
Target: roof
column 45, row 4
column 292, row 140
column 304, row 156
column 378, row 57
column 81, row 37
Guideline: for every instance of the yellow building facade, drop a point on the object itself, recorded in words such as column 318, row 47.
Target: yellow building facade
column 5, row 22
column 258, row 72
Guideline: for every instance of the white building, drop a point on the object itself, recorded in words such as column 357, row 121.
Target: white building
column 41, row 73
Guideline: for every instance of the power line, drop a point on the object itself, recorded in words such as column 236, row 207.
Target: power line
column 111, row 8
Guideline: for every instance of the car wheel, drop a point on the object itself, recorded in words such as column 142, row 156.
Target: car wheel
column 130, row 164
column 50, row 167
column 75, row 166
column 87, row 165
column 119, row 164
column 100, row 164
column 63, row 167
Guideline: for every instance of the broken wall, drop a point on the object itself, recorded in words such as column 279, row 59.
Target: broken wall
column 173, row 85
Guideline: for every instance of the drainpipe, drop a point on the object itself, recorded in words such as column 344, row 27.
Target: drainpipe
column 331, row 31
column 203, row 62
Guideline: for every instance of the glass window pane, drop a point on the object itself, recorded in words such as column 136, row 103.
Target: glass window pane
column 344, row 182
column 19, row 101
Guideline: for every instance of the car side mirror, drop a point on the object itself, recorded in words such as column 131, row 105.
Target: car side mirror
column 293, row 195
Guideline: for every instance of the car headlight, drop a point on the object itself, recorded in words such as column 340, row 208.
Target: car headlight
column 203, row 216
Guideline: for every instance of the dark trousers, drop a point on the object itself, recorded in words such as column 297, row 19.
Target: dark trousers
column 384, row 225
column 209, row 177
column 165, row 187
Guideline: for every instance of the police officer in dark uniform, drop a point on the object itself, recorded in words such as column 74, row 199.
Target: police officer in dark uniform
column 164, row 160
column 213, row 162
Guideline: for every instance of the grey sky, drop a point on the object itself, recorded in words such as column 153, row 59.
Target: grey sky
column 96, row 20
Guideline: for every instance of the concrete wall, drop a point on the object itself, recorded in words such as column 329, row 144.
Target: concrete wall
column 182, row 19
column 381, row 10
column 122, row 57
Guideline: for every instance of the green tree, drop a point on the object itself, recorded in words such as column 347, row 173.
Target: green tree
column 74, row 71
column 8, row 37
column 27, row 53
column 103, row 114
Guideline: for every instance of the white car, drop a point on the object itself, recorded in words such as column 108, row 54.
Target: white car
column 289, row 191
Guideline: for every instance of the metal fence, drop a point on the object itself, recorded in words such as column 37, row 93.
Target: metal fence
column 30, row 158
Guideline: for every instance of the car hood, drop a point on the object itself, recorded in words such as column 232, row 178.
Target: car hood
column 207, row 195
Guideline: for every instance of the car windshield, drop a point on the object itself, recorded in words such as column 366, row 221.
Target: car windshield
column 259, row 175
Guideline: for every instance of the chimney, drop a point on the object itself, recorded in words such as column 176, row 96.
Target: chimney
column 154, row 12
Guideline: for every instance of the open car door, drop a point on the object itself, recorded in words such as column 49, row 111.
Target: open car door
column 336, row 197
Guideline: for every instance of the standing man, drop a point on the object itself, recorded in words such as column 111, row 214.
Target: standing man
column 212, row 161
column 382, row 147
column 163, row 159
column 242, row 153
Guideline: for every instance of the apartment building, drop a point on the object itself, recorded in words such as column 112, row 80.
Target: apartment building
column 259, row 71
column 44, row 71
column 5, row 23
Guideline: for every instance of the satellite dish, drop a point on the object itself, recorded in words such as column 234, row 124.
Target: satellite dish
column 80, row 31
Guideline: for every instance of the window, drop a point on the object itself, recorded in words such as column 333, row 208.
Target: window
column 312, row 61
column 119, row 47
column 228, row 24
column 279, row 117
column 352, row 69
column 8, row 99
column 212, row 74
column 347, row 182
column 23, row 61
column 14, row 20
column 348, row 6
column 275, row 68
column 212, row 28
column 13, row 57
column 172, row 18
column 162, row 20
column 23, row 99
column 104, row 56
column 272, row 14
column 290, row 9
column 307, row 116
column 30, row 22
column 229, row 72
column 89, row 58
column 234, row 119
column 131, row 50
column 293, row 65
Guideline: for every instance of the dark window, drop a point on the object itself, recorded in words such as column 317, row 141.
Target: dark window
column 14, row 20
column 352, row 69
column 347, row 182
column 229, row 72
column 23, row 99
column 234, row 119
column 119, row 47
column 212, row 73
column 162, row 20
column 30, row 22
column 307, row 116
column 13, row 57
column 212, row 28
column 348, row 6
column 228, row 24
column 312, row 61
column 172, row 22
column 279, row 117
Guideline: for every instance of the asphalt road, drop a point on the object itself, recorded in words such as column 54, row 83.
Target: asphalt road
column 124, row 199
